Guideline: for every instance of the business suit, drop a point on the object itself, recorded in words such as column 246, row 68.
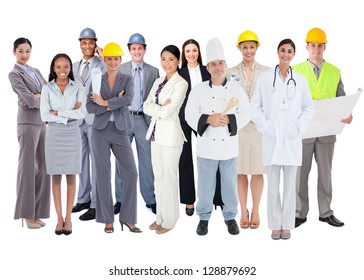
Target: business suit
column 186, row 170
column 138, row 131
column 106, row 135
column 166, row 146
column 87, row 181
column 33, row 183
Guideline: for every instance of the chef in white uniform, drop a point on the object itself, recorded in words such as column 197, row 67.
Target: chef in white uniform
column 282, row 108
column 217, row 140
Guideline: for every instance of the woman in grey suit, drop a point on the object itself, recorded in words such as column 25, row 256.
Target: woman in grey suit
column 33, row 183
column 110, row 132
column 62, row 103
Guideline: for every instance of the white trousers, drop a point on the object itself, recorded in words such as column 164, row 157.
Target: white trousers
column 281, row 209
column 165, row 162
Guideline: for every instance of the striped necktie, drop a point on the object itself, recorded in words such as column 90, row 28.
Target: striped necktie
column 137, row 103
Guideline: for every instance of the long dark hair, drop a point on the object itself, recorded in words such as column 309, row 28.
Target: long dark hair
column 20, row 41
column 173, row 50
column 184, row 60
column 52, row 74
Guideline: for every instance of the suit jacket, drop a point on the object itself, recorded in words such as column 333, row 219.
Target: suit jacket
column 118, row 105
column 95, row 63
column 150, row 74
column 186, row 75
column 25, row 87
column 168, row 131
column 238, row 70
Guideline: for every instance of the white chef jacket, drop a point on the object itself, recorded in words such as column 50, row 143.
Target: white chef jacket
column 282, row 113
column 217, row 143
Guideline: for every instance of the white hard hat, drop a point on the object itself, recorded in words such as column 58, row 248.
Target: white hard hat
column 214, row 50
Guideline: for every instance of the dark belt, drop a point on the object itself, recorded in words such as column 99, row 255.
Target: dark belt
column 136, row 113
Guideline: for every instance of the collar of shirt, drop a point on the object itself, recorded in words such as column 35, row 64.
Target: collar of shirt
column 82, row 64
column 70, row 82
column 280, row 73
column 319, row 66
column 134, row 66
column 26, row 69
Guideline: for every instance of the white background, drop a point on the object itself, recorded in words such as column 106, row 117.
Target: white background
column 315, row 249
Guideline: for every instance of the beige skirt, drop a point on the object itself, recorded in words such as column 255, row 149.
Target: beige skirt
column 250, row 159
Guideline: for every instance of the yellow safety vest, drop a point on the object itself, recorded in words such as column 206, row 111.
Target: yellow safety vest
column 326, row 86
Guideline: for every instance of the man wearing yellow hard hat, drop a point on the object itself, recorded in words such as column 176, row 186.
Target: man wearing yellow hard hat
column 110, row 132
column 324, row 81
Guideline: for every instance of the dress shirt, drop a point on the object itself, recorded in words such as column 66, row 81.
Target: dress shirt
column 195, row 75
column 53, row 99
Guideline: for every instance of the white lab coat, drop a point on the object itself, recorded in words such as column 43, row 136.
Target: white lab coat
column 216, row 143
column 282, row 115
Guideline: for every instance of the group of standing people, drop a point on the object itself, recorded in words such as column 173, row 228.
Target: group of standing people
column 248, row 120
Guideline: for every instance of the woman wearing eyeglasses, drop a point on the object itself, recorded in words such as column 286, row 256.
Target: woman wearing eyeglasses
column 163, row 104
column 281, row 108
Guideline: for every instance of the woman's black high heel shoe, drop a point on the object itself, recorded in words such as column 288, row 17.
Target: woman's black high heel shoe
column 58, row 231
column 68, row 231
column 134, row 229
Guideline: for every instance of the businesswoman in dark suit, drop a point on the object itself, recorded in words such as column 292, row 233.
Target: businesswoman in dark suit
column 33, row 183
column 194, row 73
column 110, row 132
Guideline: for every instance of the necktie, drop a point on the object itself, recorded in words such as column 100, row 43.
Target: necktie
column 85, row 71
column 137, row 103
column 317, row 72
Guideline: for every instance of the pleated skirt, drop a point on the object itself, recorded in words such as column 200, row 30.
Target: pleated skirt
column 63, row 149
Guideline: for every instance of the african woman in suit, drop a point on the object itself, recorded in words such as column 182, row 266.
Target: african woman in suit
column 33, row 183
column 194, row 73
column 62, row 104
column 163, row 104
column 110, row 132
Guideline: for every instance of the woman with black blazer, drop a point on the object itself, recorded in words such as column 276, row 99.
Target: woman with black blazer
column 193, row 72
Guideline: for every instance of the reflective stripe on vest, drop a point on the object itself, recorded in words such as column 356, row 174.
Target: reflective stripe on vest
column 326, row 86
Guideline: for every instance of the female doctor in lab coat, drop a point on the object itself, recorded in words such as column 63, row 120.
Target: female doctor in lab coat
column 281, row 109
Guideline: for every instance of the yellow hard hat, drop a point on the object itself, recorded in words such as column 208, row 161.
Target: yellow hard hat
column 247, row 36
column 112, row 49
column 316, row 35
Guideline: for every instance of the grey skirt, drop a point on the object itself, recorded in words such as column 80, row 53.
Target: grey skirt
column 63, row 149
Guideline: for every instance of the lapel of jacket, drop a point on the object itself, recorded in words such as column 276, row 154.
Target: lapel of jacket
column 166, row 91
column 28, row 77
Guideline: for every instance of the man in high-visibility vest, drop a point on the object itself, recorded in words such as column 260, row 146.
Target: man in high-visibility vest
column 324, row 81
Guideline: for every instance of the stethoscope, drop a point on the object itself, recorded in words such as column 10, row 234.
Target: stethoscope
column 291, row 83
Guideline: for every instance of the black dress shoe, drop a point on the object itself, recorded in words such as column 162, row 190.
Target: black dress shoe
column 117, row 206
column 202, row 227
column 332, row 221
column 152, row 207
column 300, row 221
column 232, row 227
column 190, row 211
column 81, row 206
column 90, row 214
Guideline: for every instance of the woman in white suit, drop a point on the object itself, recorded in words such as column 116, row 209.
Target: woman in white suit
column 163, row 104
column 281, row 108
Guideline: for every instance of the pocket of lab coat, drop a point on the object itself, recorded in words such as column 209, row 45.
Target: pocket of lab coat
column 293, row 132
